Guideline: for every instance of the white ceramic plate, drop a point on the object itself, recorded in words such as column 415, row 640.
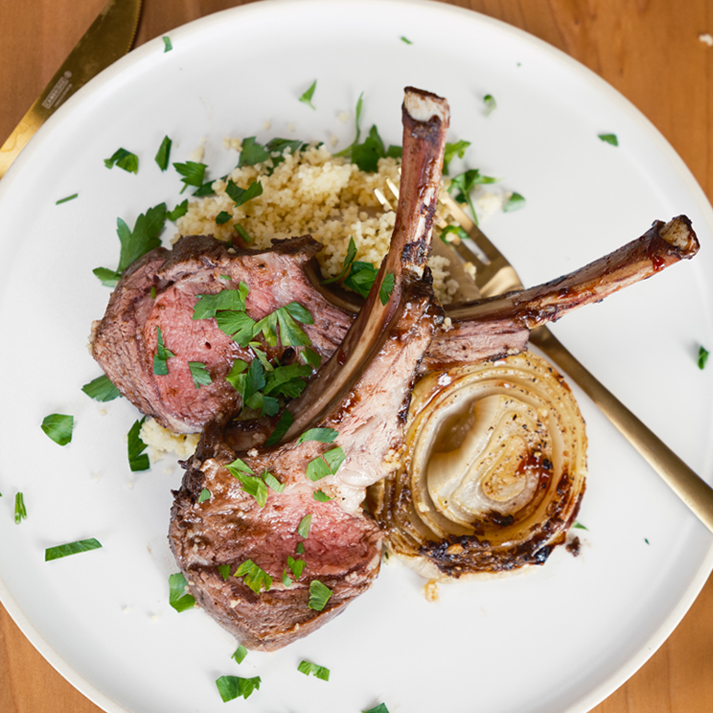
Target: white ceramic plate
column 559, row 639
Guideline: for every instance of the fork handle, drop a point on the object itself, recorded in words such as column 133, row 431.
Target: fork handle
column 689, row 487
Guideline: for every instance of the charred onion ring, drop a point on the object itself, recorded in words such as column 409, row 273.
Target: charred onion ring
column 493, row 471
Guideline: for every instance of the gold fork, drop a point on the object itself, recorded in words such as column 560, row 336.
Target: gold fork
column 494, row 275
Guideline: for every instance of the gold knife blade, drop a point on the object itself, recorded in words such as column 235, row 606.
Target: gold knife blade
column 109, row 38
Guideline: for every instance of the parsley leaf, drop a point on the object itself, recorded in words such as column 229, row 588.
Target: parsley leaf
column 251, row 152
column 296, row 566
column 319, row 595
column 326, row 464
column 101, row 389
column 490, row 105
column 205, row 495
column 254, row 577
column 20, row 510
column 123, row 159
column 239, row 195
column 135, row 243
column 138, row 460
column 283, row 425
column 320, row 497
column 178, row 597
column 303, row 527
column 308, row 668
column 366, row 156
column 178, row 212
column 231, row 687
column 58, row 426
column 167, row 45
column 702, row 357
column 200, row 374
column 346, row 265
column 209, row 305
column 193, row 173
column 465, row 182
column 160, row 360
column 66, row 199
column 381, row 708
column 515, row 202
column 322, row 435
column 609, row 139
column 361, row 277
column 163, row 154
column 240, row 653
column 71, row 548
column 387, row 287
column 306, row 98
column 453, row 150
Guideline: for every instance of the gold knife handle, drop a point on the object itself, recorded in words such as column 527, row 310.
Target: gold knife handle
column 694, row 491
column 109, row 37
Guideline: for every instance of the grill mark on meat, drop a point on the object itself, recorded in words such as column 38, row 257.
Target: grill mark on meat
column 362, row 397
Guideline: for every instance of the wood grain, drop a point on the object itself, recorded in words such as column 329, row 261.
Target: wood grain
column 647, row 49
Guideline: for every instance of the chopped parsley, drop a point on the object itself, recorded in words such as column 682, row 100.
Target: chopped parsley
column 163, row 154
column 205, row 495
column 68, row 198
column 366, row 155
column 20, row 510
column 326, row 464
column 123, row 159
column 224, row 570
column 240, row 653
column 167, row 45
column 58, row 426
column 702, row 357
column 609, row 139
column 71, row 548
column 319, row 595
column 381, row 708
column 160, row 360
column 135, row 243
column 321, row 497
column 306, row 98
column 321, row 435
column 178, row 597
column 231, row 687
column 101, row 389
column 283, row 425
column 239, row 195
column 252, row 484
column 578, row 525
column 297, row 566
column 313, row 669
column 453, row 150
column 386, row 288
column 303, row 527
column 193, row 173
column 406, row 40
column 242, row 232
column 200, row 374
column 515, row 202
column 178, row 212
column 222, row 217
column 273, row 483
column 464, row 183
column 490, row 105
column 300, row 549
column 138, row 460
column 254, row 577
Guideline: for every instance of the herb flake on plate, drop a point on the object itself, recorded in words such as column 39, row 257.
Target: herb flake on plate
column 178, row 597
column 313, row 669
column 163, row 154
column 609, row 139
column 231, row 687
column 101, row 389
column 59, row 426
column 123, row 159
column 71, row 548
column 306, row 97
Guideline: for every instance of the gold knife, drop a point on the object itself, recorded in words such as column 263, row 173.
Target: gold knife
column 109, row 38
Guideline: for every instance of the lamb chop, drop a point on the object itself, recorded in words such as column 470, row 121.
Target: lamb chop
column 158, row 295
column 249, row 559
column 161, row 290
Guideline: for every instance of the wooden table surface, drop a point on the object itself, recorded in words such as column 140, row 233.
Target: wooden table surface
column 650, row 50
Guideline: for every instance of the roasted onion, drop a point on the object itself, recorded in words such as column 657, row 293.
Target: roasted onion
column 493, row 470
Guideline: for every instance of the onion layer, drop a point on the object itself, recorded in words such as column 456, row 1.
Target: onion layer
column 493, row 471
